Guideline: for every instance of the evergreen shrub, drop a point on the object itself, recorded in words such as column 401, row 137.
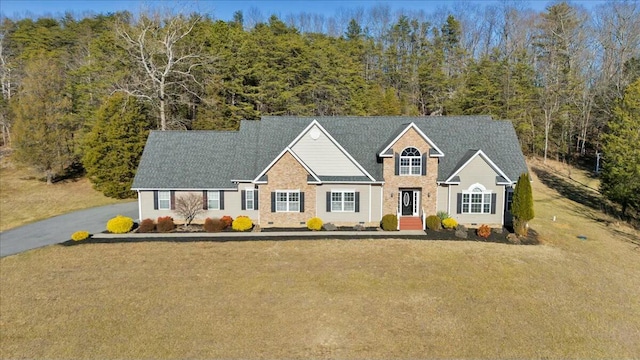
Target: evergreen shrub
column 147, row 226
column 389, row 222
column 80, row 235
column 434, row 222
column 214, row 225
column 484, row 231
column 242, row 223
column 315, row 224
column 120, row 225
column 449, row 223
column 442, row 215
column 165, row 224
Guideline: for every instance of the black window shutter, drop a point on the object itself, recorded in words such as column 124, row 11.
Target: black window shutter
column 459, row 211
column 273, row 201
column 221, row 199
column 397, row 163
column 424, row 164
column 494, row 196
column 255, row 199
column 243, row 200
column 173, row 200
column 205, row 200
column 328, row 201
column 155, row 199
column 301, row 202
column 357, row 201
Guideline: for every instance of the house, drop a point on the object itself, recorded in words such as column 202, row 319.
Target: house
column 282, row 171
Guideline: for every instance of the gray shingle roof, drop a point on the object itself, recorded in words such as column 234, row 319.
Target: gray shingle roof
column 209, row 159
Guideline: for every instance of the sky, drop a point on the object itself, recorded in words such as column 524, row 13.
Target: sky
column 224, row 10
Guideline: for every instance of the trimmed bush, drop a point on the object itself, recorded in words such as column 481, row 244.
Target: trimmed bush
column 80, row 235
column 484, row 231
column 434, row 222
column 449, row 223
column 165, row 224
column 314, row 224
column 442, row 215
column 227, row 220
column 389, row 222
column 214, row 225
column 120, row 225
column 147, row 226
column 242, row 223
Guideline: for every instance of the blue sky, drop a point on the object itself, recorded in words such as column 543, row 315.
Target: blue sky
column 224, row 9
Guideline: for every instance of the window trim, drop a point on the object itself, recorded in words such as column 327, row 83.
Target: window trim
column 249, row 193
column 288, row 201
column 414, row 162
column 161, row 199
column 342, row 200
column 467, row 200
column 210, row 197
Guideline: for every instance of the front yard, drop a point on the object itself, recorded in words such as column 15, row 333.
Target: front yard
column 566, row 298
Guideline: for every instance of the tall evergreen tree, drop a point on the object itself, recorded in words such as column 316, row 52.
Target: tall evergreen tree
column 620, row 180
column 522, row 207
column 114, row 146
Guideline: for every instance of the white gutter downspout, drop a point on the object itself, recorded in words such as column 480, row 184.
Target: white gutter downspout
column 139, row 207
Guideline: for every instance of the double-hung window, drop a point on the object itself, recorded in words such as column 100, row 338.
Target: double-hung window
column 343, row 201
column 410, row 162
column 248, row 199
column 288, row 201
column 213, row 200
column 164, row 200
column 476, row 201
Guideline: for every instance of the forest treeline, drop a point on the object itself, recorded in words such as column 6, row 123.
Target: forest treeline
column 556, row 74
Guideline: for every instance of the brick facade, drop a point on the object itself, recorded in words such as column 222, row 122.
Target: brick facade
column 393, row 183
column 286, row 174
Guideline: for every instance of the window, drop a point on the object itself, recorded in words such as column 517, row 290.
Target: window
column 410, row 162
column 476, row 201
column 509, row 199
column 164, row 200
column 213, row 200
column 343, row 201
column 248, row 200
column 288, row 201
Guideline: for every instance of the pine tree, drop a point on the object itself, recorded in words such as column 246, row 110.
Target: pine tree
column 114, row 146
column 620, row 181
column 522, row 207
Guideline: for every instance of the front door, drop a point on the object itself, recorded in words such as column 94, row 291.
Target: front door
column 406, row 202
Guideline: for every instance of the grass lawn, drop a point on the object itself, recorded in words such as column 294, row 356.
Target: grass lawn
column 25, row 199
column 567, row 298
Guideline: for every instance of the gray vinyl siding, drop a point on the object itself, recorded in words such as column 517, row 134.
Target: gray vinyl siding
column 232, row 207
column 478, row 171
column 323, row 157
column 349, row 217
column 442, row 203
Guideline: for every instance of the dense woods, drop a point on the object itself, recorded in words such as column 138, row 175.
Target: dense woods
column 559, row 74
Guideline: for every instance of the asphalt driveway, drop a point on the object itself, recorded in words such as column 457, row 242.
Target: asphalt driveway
column 59, row 228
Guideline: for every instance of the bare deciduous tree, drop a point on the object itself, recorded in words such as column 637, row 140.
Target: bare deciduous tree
column 188, row 207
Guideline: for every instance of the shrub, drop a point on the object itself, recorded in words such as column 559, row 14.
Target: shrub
column 80, row 235
column 227, row 220
column 242, row 223
column 120, row 225
column 449, row 223
column 147, row 226
column 314, row 224
column 389, row 222
column 434, row 222
column 442, row 215
column 165, row 224
column 214, row 225
column 484, row 231
column 188, row 207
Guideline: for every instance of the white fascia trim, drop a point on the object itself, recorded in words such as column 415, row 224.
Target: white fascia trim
column 287, row 149
column 485, row 158
column 240, row 181
column 355, row 182
column 181, row 189
column 337, row 144
column 423, row 135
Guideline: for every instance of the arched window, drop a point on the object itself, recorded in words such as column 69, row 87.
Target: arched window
column 410, row 162
column 476, row 200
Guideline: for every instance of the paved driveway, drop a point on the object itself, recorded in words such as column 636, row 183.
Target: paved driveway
column 58, row 229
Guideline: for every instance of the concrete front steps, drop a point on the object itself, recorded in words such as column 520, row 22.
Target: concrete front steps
column 410, row 223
